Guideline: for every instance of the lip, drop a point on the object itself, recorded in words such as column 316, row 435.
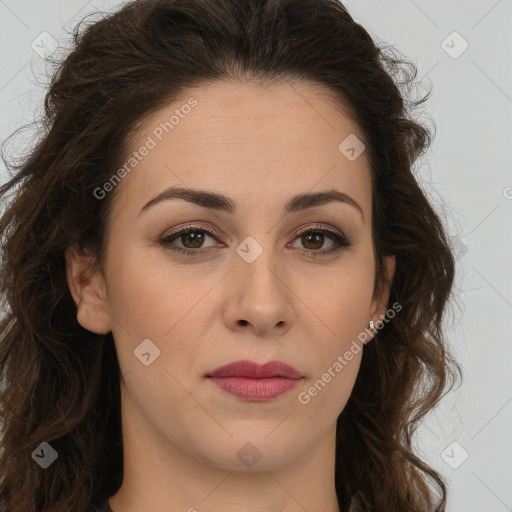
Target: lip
column 252, row 370
column 255, row 382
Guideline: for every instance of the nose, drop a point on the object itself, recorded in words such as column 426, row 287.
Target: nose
column 259, row 297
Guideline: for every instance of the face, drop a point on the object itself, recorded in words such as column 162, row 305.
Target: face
column 261, row 276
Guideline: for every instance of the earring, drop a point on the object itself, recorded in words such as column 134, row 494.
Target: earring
column 372, row 325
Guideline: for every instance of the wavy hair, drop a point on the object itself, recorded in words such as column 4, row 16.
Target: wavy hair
column 60, row 382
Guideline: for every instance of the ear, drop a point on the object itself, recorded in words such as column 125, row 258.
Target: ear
column 88, row 290
column 381, row 297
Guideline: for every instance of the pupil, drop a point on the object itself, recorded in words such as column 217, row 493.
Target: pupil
column 196, row 235
column 315, row 236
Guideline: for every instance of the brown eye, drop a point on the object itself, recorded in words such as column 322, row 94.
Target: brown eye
column 315, row 238
column 194, row 238
column 191, row 238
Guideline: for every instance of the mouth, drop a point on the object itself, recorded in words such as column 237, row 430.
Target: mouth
column 253, row 382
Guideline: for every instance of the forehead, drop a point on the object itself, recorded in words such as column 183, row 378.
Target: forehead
column 271, row 140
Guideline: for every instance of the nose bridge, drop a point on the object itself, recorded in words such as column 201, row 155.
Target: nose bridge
column 256, row 264
column 260, row 293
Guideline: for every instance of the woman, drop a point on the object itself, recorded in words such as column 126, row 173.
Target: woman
column 225, row 286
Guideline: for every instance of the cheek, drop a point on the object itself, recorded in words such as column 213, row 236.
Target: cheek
column 341, row 307
column 164, row 303
column 326, row 395
column 336, row 304
column 335, row 356
column 153, row 297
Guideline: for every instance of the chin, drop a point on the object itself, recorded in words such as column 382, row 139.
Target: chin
column 255, row 453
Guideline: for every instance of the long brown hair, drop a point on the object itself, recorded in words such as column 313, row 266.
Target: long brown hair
column 61, row 382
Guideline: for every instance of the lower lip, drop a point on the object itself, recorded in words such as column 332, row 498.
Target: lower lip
column 255, row 390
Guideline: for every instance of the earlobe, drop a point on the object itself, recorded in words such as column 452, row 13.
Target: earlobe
column 380, row 301
column 88, row 291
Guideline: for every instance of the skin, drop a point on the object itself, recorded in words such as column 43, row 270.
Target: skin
column 259, row 146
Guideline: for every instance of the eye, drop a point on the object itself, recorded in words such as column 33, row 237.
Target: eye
column 315, row 236
column 192, row 239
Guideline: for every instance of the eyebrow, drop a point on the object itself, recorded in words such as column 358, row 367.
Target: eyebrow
column 221, row 202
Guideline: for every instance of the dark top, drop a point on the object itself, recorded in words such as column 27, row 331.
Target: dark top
column 103, row 507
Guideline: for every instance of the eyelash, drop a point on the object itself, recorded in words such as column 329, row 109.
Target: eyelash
column 341, row 242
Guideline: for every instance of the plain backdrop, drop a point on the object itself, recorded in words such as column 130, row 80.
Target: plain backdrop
column 463, row 51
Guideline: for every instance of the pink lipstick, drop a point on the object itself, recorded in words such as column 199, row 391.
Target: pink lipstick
column 254, row 382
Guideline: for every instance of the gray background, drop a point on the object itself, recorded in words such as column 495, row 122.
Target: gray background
column 467, row 174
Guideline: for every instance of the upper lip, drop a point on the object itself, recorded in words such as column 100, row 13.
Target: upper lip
column 253, row 370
